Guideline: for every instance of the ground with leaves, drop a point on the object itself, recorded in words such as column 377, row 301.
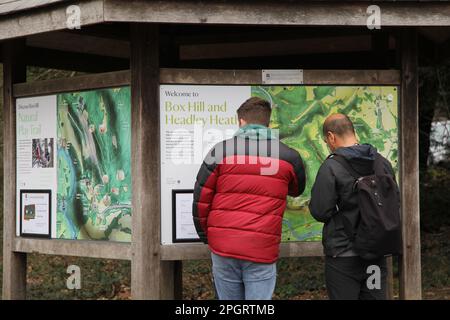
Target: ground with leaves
column 298, row 278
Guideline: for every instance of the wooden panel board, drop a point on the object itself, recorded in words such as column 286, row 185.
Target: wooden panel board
column 276, row 13
column 53, row 18
column 299, row 13
column 201, row 76
column 11, row 6
column 78, row 248
column 200, row 251
column 79, row 83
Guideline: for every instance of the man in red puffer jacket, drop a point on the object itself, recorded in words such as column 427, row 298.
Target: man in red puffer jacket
column 239, row 201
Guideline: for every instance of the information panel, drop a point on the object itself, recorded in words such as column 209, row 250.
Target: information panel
column 36, row 154
column 194, row 117
column 77, row 145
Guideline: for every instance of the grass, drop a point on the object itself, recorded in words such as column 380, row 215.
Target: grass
column 298, row 278
column 303, row 278
column 100, row 279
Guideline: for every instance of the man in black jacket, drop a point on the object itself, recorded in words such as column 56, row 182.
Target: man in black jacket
column 334, row 203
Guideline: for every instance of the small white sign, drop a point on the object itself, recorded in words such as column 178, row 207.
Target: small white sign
column 184, row 223
column 294, row 76
column 36, row 160
column 35, row 209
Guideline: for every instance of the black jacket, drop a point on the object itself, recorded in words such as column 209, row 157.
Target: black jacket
column 333, row 201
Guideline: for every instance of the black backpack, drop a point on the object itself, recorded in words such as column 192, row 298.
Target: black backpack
column 378, row 232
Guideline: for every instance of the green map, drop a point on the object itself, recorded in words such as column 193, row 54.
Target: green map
column 94, row 151
column 299, row 112
column 94, row 165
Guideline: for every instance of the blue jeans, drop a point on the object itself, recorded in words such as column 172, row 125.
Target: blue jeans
column 236, row 279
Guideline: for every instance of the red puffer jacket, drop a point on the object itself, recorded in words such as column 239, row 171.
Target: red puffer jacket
column 240, row 197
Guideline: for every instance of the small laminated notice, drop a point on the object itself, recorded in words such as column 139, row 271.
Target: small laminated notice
column 293, row 76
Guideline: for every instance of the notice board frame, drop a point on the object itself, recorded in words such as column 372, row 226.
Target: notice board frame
column 183, row 251
column 177, row 252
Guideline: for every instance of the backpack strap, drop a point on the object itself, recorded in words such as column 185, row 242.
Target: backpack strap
column 346, row 165
column 347, row 229
column 378, row 165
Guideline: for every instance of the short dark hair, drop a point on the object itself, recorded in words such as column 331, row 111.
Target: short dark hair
column 341, row 126
column 255, row 110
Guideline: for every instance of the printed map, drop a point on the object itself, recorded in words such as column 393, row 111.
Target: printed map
column 94, row 169
column 299, row 112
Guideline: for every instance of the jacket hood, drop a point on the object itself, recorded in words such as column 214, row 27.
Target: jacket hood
column 255, row 132
column 361, row 157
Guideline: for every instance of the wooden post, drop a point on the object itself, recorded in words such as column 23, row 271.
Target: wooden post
column 14, row 263
column 410, row 266
column 178, row 280
column 151, row 278
column 390, row 279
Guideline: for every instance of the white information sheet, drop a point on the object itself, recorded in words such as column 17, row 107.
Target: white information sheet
column 35, row 213
column 193, row 119
column 184, row 228
column 36, row 165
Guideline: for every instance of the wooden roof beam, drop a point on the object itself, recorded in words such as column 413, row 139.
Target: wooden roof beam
column 11, row 6
column 80, row 43
column 82, row 62
column 278, row 47
column 47, row 19
column 277, row 12
column 282, row 13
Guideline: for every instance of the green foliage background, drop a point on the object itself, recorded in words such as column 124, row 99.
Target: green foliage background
column 298, row 115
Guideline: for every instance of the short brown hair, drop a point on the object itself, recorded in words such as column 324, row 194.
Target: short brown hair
column 255, row 110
